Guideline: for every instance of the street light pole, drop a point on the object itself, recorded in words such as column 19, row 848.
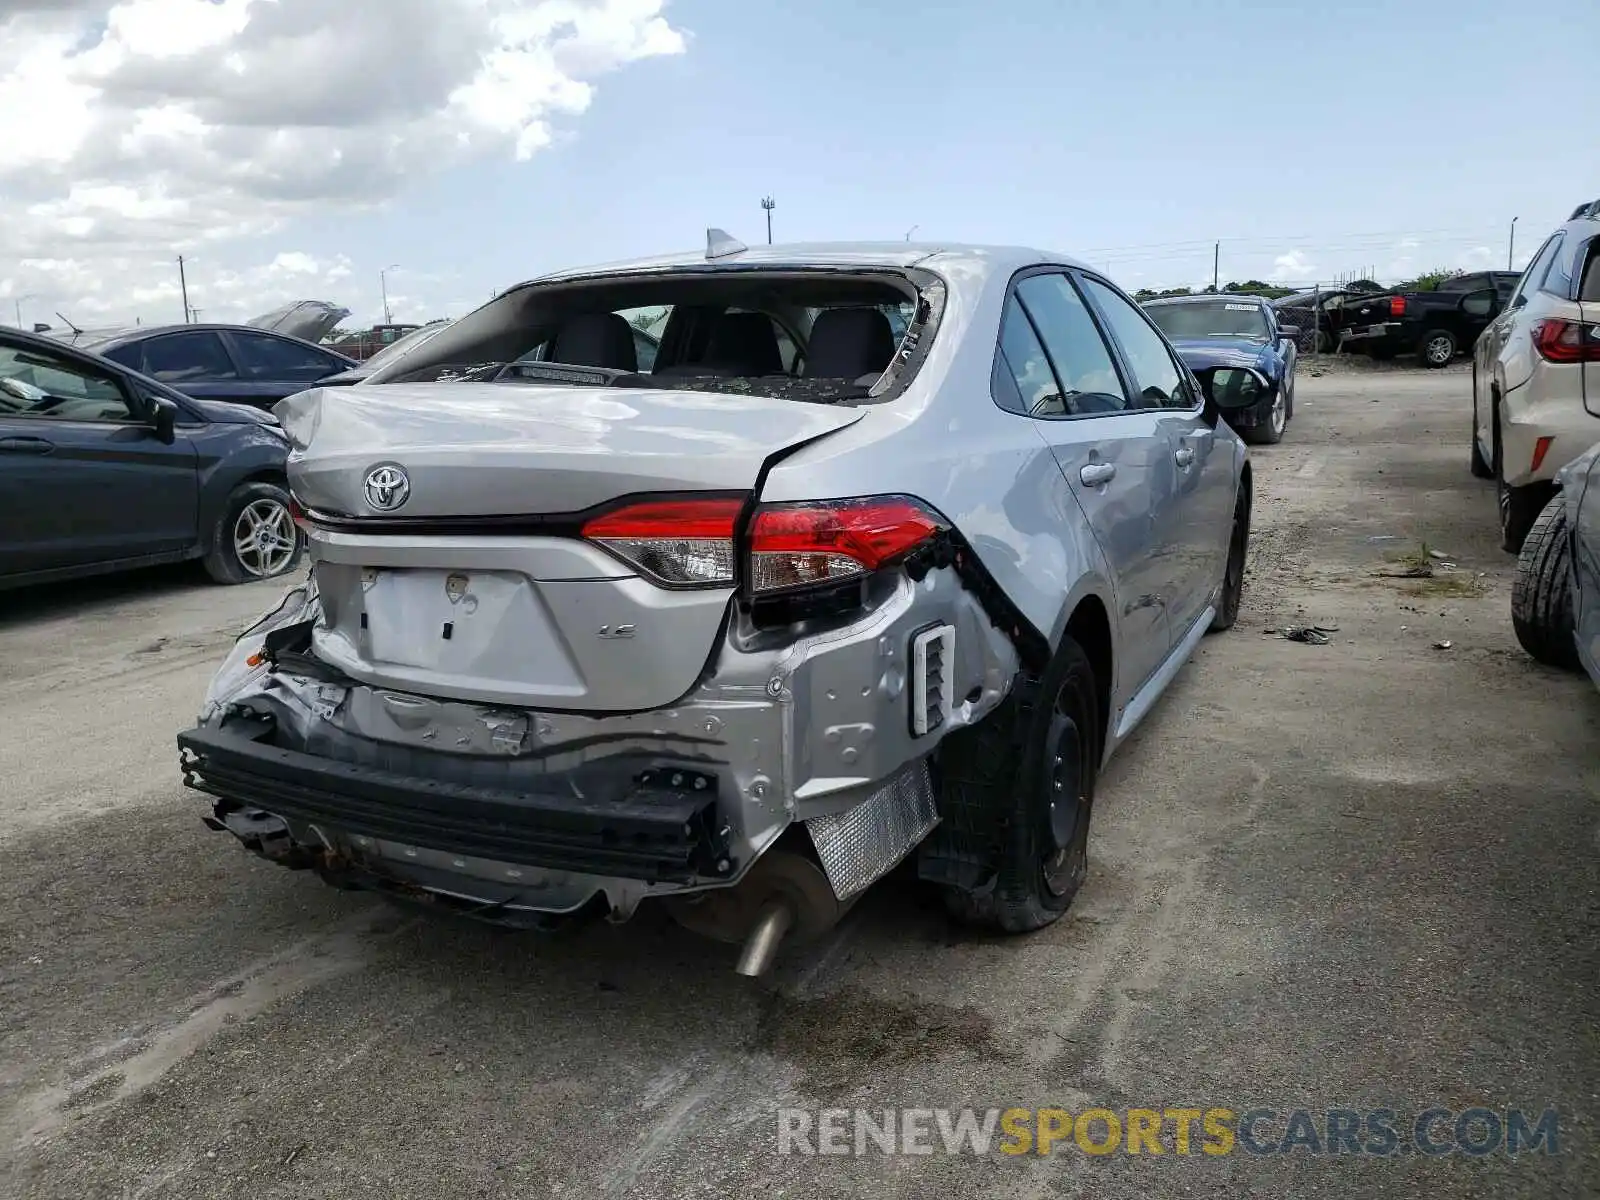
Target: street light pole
column 1511, row 250
column 768, row 203
column 912, row 230
column 18, row 301
column 383, row 282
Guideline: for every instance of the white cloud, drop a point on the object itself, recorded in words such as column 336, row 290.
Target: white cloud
column 135, row 130
column 1293, row 266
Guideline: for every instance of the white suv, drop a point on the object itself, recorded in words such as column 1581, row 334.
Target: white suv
column 1536, row 375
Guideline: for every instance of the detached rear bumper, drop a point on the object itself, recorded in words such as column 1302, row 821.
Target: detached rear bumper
column 649, row 822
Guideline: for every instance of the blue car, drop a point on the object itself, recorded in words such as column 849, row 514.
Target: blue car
column 1221, row 333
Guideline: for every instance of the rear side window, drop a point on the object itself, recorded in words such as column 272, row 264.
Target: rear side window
column 1161, row 384
column 1082, row 362
column 266, row 357
column 187, row 358
column 1026, row 385
column 1589, row 288
column 1558, row 276
column 1534, row 272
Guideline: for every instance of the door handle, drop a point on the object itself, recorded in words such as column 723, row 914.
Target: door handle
column 25, row 445
column 1184, row 456
column 1095, row 474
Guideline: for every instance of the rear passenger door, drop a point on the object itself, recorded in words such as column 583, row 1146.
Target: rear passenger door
column 1198, row 468
column 283, row 365
column 1056, row 368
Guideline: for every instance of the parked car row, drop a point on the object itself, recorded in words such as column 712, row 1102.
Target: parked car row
column 1536, row 433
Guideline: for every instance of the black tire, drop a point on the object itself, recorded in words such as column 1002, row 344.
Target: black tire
column 1268, row 431
column 1026, row 775
column 227, row 562
column 1436, row 348
column 1519, row 509
column 1238, row 556
column 1541, row 592
column 1482, row 468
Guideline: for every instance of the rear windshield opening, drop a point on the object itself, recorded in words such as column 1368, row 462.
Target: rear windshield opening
column 823, row 336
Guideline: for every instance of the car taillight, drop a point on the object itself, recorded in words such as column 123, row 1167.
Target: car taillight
column 1397, row 306
column 1566, row 341
column 692, row 543
column 833, row 541
column 679, row 543
column 298, row 514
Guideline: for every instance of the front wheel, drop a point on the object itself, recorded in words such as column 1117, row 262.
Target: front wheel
column 1038, row 789
column 1541, row 592
column 1437, row 348
column 1270, row 431
column 255, row 536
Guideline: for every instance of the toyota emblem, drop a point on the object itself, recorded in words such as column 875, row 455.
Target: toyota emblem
column 387, row 488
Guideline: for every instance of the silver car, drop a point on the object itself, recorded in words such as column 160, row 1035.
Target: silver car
column 1555, row 595
column 741, row 632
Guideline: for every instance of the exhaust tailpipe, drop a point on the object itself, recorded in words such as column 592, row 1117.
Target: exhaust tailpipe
column 761, row 947
column 785, row 897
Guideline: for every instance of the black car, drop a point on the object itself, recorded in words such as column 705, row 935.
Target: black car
column 1435, row 325
column 102, row 469
column 236, row 363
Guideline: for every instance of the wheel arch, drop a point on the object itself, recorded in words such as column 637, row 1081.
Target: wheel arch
column 1089, row 625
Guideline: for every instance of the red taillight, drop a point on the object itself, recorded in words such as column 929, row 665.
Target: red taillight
column 797, row 545
column 1540, row 449
column 1397, row 306
column 681, row 543
column 1566, row 341
column 298, row 514
column 690, row 543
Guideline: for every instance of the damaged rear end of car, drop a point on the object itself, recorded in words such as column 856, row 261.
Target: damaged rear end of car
column 556, row 656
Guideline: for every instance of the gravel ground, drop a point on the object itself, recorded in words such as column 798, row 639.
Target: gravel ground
column 1359, row 875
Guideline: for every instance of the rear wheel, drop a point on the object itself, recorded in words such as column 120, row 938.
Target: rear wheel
column 1038, row 788
column 1437, row 348
column 1233, row 573
column 1541, row 592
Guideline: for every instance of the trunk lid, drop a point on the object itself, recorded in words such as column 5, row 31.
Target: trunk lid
column 421, row 598
column 310, row 320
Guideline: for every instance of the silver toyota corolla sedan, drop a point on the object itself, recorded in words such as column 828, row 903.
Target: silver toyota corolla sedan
column 883, row 553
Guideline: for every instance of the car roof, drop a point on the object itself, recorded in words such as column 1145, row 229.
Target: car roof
column 1207, row 298
column 126, row 337
column 837, row 255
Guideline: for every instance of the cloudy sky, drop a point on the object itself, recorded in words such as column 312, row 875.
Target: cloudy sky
column 298, row 148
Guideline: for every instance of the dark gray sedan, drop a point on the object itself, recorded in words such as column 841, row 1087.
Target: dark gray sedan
column 1555, row 599
column 102, row 468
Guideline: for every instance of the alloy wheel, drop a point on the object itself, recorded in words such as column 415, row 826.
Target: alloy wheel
column 1439, row 350
column 264, row 538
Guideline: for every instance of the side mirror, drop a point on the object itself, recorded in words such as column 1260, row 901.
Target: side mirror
column 1288, row 331
column 1233, row 388
column 164, row 418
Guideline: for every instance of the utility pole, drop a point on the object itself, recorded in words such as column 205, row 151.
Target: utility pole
column 19, row 300
column 183, row 286
column 1216, row 265
column 768, row 203
column 1511, row 250
column 383, row 282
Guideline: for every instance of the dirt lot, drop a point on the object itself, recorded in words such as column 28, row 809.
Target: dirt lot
column 1357, row 875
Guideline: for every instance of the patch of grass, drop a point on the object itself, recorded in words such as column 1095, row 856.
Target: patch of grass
column 1419, row 559
column 1450, row 586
